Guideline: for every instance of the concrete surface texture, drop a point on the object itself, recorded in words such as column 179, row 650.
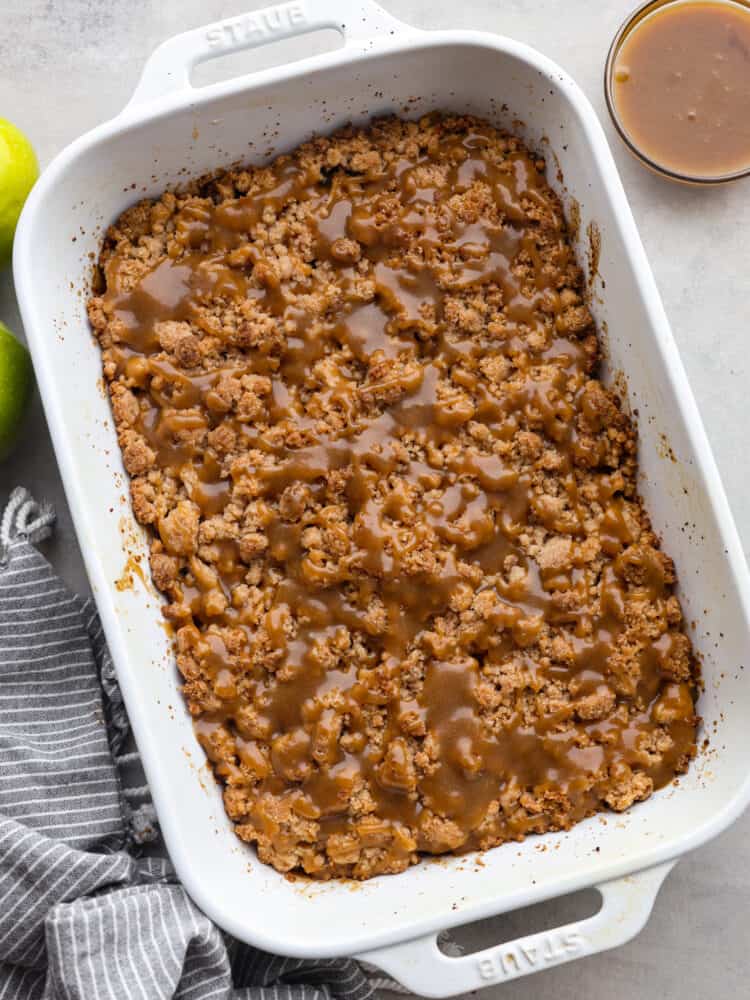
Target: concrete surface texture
column 66, row 65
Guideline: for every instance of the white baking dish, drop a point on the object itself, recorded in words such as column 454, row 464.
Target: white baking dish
column 384, row 66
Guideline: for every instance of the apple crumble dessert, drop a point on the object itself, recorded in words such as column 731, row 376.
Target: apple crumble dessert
column 419, row 606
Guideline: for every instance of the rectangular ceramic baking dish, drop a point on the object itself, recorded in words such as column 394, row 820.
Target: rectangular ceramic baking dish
column 171, row 130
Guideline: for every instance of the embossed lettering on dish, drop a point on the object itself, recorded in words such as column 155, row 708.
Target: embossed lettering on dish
column 518, row 959
column 257, row 27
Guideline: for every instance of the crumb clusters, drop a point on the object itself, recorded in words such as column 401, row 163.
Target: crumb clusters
column 419, row 606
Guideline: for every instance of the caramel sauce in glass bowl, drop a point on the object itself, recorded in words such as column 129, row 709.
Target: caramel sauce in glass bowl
column 677, row 84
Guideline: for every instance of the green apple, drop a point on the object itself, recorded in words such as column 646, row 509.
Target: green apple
column 18, row 172
column 16, row 385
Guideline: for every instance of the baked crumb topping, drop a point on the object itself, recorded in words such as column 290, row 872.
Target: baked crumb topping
column 418, row 602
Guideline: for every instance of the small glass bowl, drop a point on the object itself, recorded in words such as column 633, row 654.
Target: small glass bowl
column 624, row 32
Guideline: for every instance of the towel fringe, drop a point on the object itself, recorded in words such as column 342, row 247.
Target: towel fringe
column 23, row 517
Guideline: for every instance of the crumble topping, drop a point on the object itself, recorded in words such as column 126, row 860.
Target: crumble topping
column 418, row 603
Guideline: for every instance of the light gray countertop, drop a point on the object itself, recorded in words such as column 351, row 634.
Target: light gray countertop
column 66, row 65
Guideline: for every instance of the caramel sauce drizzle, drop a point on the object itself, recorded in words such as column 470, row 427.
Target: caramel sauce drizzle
column 393, row 429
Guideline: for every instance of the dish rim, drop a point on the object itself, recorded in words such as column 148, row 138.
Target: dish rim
column 136, row 115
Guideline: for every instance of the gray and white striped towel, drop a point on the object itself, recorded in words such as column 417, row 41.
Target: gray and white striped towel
column 82, row 917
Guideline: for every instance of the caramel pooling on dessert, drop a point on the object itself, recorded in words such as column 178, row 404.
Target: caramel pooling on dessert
column 418, row 603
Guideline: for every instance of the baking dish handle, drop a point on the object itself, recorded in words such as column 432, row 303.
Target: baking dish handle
column 168, row 69
column 424, row 969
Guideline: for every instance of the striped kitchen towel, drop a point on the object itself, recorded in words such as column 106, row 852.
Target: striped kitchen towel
column 82, row 916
